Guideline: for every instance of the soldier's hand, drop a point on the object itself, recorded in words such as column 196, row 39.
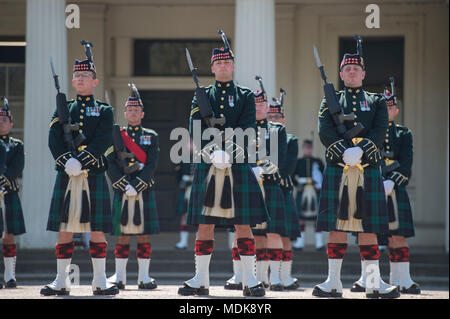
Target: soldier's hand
column 388, row 186
column 130, row 191
column 352, row 156
column 73, row 167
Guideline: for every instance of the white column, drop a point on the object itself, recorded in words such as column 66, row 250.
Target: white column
column 254, row 44
column 45, row 36
column 447, row 188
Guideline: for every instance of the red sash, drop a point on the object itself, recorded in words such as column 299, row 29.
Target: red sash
column 133, row 147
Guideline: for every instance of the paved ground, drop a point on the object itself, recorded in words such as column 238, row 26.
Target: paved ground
column 170, row 292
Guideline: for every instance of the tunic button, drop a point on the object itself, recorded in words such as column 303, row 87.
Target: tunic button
column 387, row 135
column 223, row 91
column 354, row 109
column 81, row 124
column 80, row 131
column 134, row 140
column 388, row 147
column 82, row 104
column 354, row 102
column 354, row 96
column 221, row 106
column 222, row 98
column 386, row 140
column 228, row 85
column 82, row 111
column 221, row 115
column 357, row 91
column 81, row 117
column 132, row 134
column 355, row 123
column 219, row 85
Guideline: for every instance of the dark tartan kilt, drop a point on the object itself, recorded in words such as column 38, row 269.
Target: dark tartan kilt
column 405, row 218
column 274, row 199
column 298, row 202
column 15, row 223
column 182, row 204
column 151, row 221
column 291, row 217
column 375, row 202
column 100, row 202
column 248, row 199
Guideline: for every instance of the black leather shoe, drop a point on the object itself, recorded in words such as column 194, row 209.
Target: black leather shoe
column 323, row 294
column 106, row 292
column 187, row 290
column 47, row 291
column 413, row 290
column 256, row 291
column 294, row 286
column 357, row 288
column 149, row 285
column 277, row 287
column 11, row 284
column 389, row 295
column 231, row 286
column 119, row 285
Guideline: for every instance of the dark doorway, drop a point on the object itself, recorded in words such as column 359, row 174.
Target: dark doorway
column 384, row 57
column 164, row 111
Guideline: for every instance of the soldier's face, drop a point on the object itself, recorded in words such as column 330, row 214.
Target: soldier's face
column 277, row 118
column 261, row 110
column 352, row 75
column 392, row 112
column 84, row 82
column 223, row 69
column 134, row 115
column 5, row 125
column 307, row 149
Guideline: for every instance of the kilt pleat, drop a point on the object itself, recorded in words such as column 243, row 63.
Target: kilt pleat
column 15, row 223
column 274, row 199
column 151, row 221
column 291, row 217
column 375, row 202
column 100, row 202
column 249, row 207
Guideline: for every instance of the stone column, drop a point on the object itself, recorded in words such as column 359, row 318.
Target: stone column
column 45, row 37
column 254, row 44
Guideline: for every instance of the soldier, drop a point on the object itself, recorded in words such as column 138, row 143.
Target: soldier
column 81, row 200
column 396, row 168
column 276, row 115
column 134, row 206
column 12, row 160
column 224, row 193
column 308, row 180
column 352, row 197
column 184, row 179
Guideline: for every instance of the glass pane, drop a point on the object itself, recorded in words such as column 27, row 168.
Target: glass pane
column 168, row 57
column 2, row 80
column 16, row 80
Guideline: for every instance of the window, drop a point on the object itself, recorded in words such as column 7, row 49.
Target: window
column 168, row 57
column 12, row 79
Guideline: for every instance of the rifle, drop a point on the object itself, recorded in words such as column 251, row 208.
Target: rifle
column 205, row 107
column 64, row 117
column 122, row 154
column 334, row 108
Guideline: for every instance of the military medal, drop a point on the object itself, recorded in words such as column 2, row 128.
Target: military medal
column 145, row 140
column 364, row 106
column 230, row 100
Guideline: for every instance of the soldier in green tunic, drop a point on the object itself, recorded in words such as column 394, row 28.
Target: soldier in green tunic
column 224, row 193
column 352, row 197
column 292, row 228
column 396, row 168
column 12, row 223
column 134, row 205
column 308, row 180
column 81, row 200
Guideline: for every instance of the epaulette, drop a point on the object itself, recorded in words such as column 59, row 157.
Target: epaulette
column 149, row 131
column 70, row 101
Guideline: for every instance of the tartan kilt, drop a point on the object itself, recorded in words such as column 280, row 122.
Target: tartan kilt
column 377, row 221
column 249, row 207
column 100, row 202
column 151, row 221
column 298, row 202
column 291, row 217
column 15, row 223
column 182, row 205
column 274, row 199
